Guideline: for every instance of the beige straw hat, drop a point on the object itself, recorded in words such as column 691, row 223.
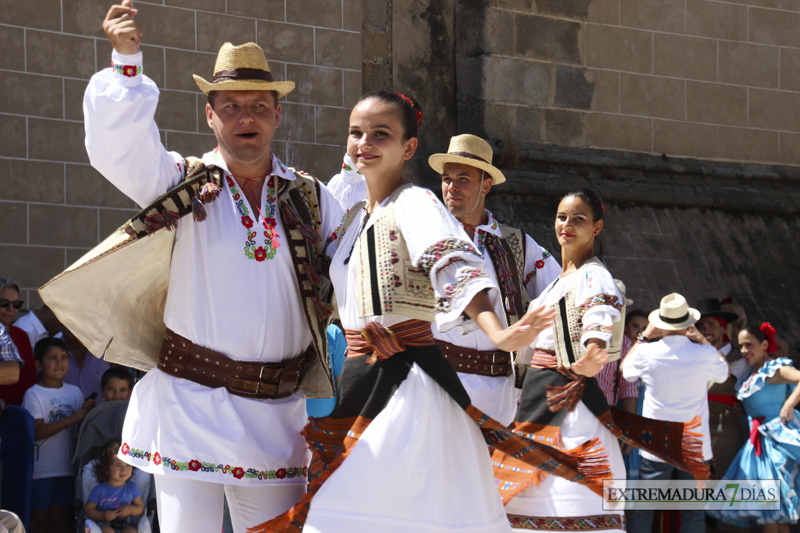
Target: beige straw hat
column 468, row 150
column 674, row 313
column 243, row 68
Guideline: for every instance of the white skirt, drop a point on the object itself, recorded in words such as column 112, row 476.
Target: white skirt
column 421, row 466
column 176, row 427
column 559, row 498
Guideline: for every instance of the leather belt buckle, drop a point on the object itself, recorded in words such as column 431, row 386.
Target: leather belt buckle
column 492, row 368
column 494, row 358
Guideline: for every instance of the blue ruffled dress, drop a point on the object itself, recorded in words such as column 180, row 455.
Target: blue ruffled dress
column 780, row 448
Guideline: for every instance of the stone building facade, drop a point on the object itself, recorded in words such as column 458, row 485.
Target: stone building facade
column 683, row 114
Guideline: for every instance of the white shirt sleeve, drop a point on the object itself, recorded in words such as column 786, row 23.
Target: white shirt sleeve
column 718, row 366
column 122, row 138
column 599, row 303
column 438, row 244
column 541, row 267
column 31, row 403
column 633, row 364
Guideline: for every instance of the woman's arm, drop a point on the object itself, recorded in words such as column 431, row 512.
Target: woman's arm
column 787, row 375
column 481, row 310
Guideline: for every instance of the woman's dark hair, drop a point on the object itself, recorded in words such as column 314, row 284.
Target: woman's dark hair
column 591, row 198
column 409, row 109
column 104, row 462
column 636, row 313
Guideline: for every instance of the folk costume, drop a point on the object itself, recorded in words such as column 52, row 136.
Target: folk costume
column 402, row 450
column 727, row 431
column 349, row 185
column 519, row 267
column 771, row 452
column 235, row 301
column 560, row 407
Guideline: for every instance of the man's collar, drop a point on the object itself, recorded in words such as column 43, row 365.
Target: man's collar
column 278, row 168
column 491, row 226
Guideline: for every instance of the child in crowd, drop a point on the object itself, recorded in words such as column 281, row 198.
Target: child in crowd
column 116, row 384
column 57, row 408
column 116, row 503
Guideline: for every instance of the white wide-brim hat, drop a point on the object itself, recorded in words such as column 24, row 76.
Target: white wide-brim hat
column 674, row 313
column 243, row 68
column 469, row 150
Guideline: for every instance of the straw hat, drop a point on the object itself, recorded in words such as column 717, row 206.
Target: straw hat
column 622, row 290
column 243, row 68
column 468, row 150
column 674, row 313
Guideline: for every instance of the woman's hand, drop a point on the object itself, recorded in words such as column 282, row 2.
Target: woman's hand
column 592, row 361
column 524, row 331
column 787, row 413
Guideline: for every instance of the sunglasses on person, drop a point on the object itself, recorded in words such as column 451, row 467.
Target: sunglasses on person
column 4, row 304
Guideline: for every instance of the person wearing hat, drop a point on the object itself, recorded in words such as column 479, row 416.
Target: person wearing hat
column 240, row 303
column 675, row 371
column 728, row 433
column 519, row 266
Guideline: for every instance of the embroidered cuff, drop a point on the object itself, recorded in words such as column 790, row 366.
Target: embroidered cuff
column 127, row 68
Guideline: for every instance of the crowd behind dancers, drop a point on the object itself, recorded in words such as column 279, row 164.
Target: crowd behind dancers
column 462, row 334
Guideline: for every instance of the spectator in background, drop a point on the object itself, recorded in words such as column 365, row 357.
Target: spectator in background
column 635, row 323
column 116, row 384
column 85, row 370
column 57, row 408
column 39, row 323
column 10, row 304
column 10, row 361
column 737, row 325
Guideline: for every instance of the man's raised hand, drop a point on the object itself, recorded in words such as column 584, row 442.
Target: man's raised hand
column 121, row 30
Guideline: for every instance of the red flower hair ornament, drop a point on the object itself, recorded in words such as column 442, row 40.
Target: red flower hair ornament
column 769, row 332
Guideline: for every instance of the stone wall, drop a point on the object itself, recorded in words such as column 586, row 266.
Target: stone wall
column 685, row 78
column 53, row 205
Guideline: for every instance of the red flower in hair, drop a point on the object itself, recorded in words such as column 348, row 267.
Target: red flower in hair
column 769, row 332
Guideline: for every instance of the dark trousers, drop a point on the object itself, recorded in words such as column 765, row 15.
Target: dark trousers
column 641, row 521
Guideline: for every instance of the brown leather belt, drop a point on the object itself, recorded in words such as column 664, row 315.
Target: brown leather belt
column 181, row 358
column 469, row 361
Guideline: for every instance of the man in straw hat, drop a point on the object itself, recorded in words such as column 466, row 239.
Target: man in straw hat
column 728, row 433
column 221, row 412
column 519, row 266
column 675, row 371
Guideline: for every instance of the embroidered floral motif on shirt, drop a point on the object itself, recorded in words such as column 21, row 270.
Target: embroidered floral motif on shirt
column 268, row 222
column 599, row 299
column 452, row 291
column 338, row 231
column 196, row 465
column 538, row 266
column 446, row 246
column 129, row 71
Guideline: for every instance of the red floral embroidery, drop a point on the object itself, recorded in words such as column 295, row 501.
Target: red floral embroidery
column 261, row 254
column 129, row 71
column 280, row 473
column 247, row 222
column 194, row 465
column 157, row 459
column 125, row 448
column 269, row 222
column 540, row 263
column 238, row 472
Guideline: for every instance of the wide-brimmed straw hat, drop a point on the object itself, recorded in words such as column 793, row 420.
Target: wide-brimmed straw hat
column 674, row 313
column 243, row 68
column 468, row 150
column 622, row 289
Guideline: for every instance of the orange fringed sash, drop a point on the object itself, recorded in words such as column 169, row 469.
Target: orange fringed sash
column 382, row 342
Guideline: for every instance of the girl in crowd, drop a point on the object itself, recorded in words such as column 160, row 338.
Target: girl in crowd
column 770, row 396
column 589, row 287
column 400, row 451
column 115, row 504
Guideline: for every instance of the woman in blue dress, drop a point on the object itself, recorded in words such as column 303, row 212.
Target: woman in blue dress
column 769, row 396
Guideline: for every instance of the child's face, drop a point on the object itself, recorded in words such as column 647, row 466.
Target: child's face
column 54, row 364
column 116, row 389
column 119, row 472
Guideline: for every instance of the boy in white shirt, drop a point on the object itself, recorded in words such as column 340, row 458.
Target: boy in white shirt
column 675, row 370
column 57, row 409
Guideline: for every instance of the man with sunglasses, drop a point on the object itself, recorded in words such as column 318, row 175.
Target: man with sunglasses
column 11, row 392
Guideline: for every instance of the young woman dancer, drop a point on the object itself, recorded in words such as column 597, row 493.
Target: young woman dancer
column 770, row 396
column 400, row 451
